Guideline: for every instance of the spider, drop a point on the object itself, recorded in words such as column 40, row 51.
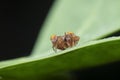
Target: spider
column 69, row 39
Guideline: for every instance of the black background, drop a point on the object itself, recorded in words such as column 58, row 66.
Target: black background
column 20, row 22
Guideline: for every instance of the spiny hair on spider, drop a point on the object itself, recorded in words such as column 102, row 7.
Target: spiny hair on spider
column 69, row 39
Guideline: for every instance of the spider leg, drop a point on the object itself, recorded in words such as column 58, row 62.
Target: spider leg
column 54, row 49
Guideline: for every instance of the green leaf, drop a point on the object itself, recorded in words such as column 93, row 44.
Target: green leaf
column 89, row 19
column 92, row 54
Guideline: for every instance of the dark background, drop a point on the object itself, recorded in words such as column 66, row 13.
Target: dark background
column 20, row 22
